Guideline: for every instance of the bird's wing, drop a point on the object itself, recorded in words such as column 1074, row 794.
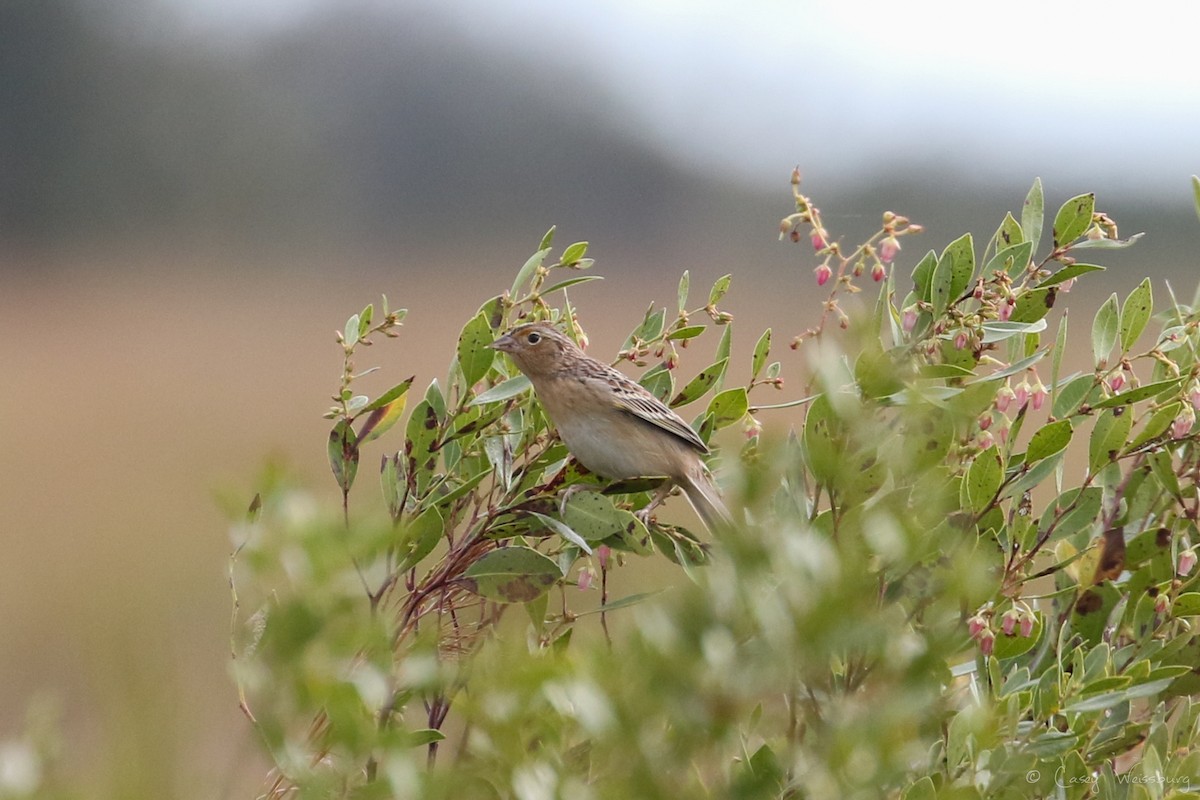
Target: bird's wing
column 634, row 399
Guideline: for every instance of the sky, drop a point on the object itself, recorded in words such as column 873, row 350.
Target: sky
column 1072, row 90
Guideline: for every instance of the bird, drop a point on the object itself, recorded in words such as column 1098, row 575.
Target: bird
column 612, row 425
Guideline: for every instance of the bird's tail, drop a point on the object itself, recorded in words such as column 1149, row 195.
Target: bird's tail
column 703, row 495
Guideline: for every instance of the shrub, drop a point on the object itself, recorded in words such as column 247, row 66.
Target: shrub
column 968, row 573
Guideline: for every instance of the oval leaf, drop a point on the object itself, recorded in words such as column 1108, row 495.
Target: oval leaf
column 984, row 478
column 474, row 354
column 697, row 386
column 512, row 575
column 1073, row 219
column 1135, row 314
column 1048, row 440
column 728, row 407
column 1104, row 329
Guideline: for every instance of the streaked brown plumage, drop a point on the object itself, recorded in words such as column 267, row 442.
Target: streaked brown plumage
column 613, row 426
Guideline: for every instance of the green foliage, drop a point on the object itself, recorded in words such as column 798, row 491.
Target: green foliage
column 954, row 580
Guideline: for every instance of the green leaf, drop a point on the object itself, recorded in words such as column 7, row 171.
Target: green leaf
column 548, row 238
column 1068, row 272
column 391, row 394
column 1011, row 369
column 1073, row 219
column 823, row 440
column 563, row 530
column 364, row 320
column 568, row 283
column 1135, row 314
column 922, row 789
column 594, row 517
column 719, row 289
column 1098, row 702
column 1068, row 398
column 421, row 433
column 573, row 253
column 624, row 602
column 686, row 332
column 682, row 293
column 761, row 351
column 1012, row 261
column 503, row 391
column 350, row 332
column 999, row 331
column 1157, row 424
column 984, row 477
column 474, row 354
column 1034, row 304
column 1107, row 244
column 728, row 407
column 512, row 575
column 1015, row 645
column 1033, row 214
column 343, row 454
column 1104, row 330
column 1140, row 393
column 922, row 276
column 419, row 538
column 380, row 420
column 530, row 267
column 954, row 271
column 1108, row 437
column 1048, row 440
column 697, row 386
column 1196, row 193
column 1186, row 605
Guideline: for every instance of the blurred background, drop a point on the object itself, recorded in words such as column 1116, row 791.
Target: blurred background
column 195, row 193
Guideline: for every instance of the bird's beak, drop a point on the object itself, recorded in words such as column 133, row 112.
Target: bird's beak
column 505, row 344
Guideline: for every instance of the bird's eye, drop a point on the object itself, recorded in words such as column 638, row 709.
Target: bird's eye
column 533, row 338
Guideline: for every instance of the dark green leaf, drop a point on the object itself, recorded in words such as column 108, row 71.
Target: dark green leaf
column 474, row 354
column 728, row 407
column 697, row 386
column 1068, row 398
column 512, row 575
column 686, row 332
column 1135, row 314
column 343, row 454
column 594, row 517
column 419, row 538
column 1034, row 304
column 1140, row 393
column 573, row 253
column 954, row 272
column 1073, row 219
column 984, row 477
column 391, row 394
column 1104, row 330
column 922, row 276
column 762, row 349
column 719, row 289
column 1108, row 437
column 503, row 391
column 1068, row 272
column 1048, row 440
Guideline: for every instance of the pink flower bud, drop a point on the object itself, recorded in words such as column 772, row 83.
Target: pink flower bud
column 1183, row 423
column 1066, row 285
column 1008, row 623
column 1194, row 397
column 1187, row 562
column 985, row 421
column 1162, row 604
column 1116, row 381
column 910, row 319
column 1002, row 432
column 888, row 249
column 1006, row 310
column 978, row 293
column 1038, row 397
column 602, row 554
column 585, row 579
column 1021, row 395
column 1004, row 398
column 878, row 273
column 960, row 340
column 976, row 625
column 823, row 273
column 986, row 440
column 987, row 643
column 1027, row 621
column 818, row 240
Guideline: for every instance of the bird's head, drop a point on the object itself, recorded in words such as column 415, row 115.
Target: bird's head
column 536, row 347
